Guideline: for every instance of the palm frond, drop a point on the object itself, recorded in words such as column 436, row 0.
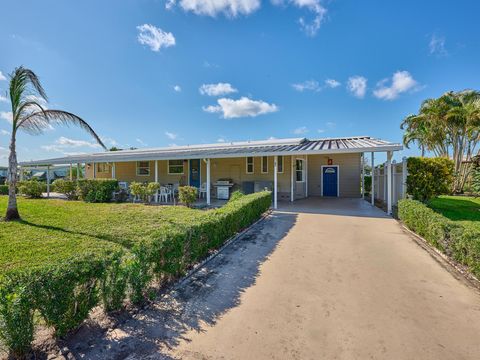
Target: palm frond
column 37, row 122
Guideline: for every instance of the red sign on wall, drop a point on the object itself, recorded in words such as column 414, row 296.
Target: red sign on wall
column 330, row 162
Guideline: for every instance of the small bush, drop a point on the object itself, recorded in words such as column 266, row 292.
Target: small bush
column 187, row 195
column 66, row 187
column 16, row 316
column 236, row 195
column 429, row 177
column 96, row 190
column 3, row 189
column 138, row 190
column 456, row 240
column 31, row 188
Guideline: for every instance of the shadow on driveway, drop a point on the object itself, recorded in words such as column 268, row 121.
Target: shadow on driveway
column 201, row 299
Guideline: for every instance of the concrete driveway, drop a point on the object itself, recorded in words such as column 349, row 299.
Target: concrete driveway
column 319, row 279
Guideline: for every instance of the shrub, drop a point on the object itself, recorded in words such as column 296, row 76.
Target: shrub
column 3, row 189
column 16, row 316
column 66, row 187
column 96, row 190
column 187, row 195
column 31, row 188
column 236, row 195
column 139, row 190
column 429, row 177
column 456, row 240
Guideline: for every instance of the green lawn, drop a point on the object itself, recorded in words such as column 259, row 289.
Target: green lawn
column 458, row 208
column 51, row 230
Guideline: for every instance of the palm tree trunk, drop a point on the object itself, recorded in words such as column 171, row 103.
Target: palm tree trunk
column 12, row 210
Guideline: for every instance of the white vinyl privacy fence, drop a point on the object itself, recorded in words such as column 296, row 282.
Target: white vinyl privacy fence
column 398, row 178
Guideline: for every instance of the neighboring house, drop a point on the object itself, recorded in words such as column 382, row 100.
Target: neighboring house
column 3, row 174
column 58, row 172
column 322, row 167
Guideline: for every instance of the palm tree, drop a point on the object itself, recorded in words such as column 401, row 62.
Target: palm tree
column 448, row 126
column 26, row 96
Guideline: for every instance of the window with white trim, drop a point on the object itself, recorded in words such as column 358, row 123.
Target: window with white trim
column 249, row 169
column 264, row 164
column 280, row 164
column 175, row 167
column 299, row 170
column 143, row 168
column 103, row 167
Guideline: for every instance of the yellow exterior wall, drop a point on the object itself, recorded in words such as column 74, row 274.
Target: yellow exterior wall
column 235, row 169
column 349, row 173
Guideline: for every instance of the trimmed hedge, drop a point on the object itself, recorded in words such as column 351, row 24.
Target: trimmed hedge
column 64, row 293
column 458, row 241
column 96, row 190
column 429, row 177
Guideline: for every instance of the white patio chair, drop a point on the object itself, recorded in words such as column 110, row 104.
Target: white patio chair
column 202, row 191
column 163, row 193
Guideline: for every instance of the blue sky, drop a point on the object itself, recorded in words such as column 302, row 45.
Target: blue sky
column 156, row 73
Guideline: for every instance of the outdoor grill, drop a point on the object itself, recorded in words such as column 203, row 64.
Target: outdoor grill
column 223, row 188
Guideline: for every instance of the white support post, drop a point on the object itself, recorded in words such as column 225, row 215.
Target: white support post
column 389, row 182
column 114, row 171
column 384, row 181
column 48, row 181
column 275, row 184
column 394, row 172
column 94, row 170
column 363, row 174
column 373, row 178
column 208, row 182
column 292, row 167
column 21, row 173
column 306, row 176
column 156, row 171
column 78, row 171
column 71, row 172
column 404, row 177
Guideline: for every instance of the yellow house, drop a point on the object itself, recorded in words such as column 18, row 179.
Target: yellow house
column 291, row 168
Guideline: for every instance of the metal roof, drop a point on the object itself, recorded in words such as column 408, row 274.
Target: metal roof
column 297, row 146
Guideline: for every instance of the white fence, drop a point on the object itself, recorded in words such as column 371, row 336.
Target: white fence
column 399, row 181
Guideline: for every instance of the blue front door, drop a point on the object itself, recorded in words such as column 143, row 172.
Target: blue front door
column 195, row 173
column 330, row 181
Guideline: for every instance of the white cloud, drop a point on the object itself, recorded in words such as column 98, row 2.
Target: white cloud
column 154, row 37
column 6, row 115
column 141, row 142
column 4, row 132
column 63, row 144
column 2, row 77
column 401, row 82
column 300, row 130
column 64, row 141
column 177, row 88
column 332, row 83
column 309, row 85
column 217, row 89
column 242, row 107
column 319, row 12
column 3, row 98
column 357, row 85
column 109, row 141
column 437, row 46
column 171, row 135
column 321, row 131
column 229, row 8
column 221, row 140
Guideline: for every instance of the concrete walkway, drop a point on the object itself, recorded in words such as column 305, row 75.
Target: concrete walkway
column 319, row 279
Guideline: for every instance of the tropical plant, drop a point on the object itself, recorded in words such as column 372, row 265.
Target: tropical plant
column 28, row 99
column 448, row 126
column 187, row 195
